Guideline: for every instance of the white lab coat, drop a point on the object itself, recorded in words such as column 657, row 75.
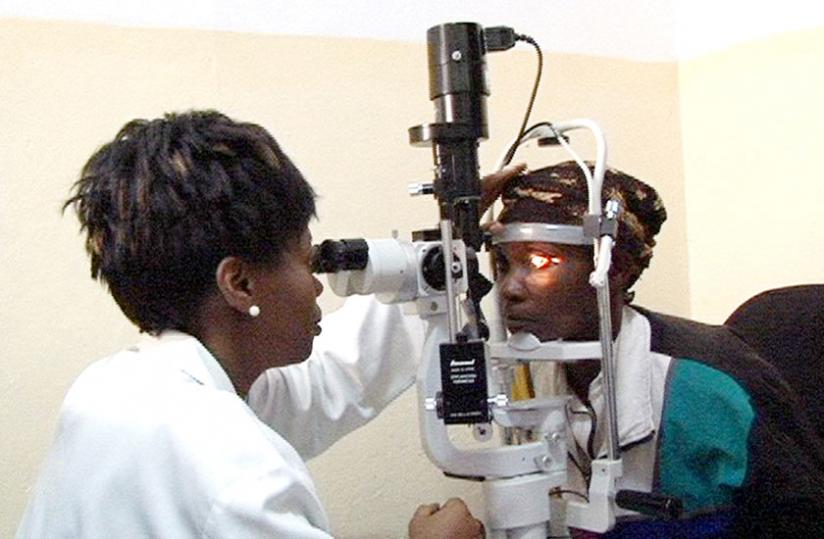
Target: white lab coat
column 154, row 442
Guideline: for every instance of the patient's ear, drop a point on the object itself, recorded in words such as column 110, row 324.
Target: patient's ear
column 620, row 279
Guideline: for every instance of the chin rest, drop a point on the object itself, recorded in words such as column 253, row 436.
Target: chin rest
column 786, row 327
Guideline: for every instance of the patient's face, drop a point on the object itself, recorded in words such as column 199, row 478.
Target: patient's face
column 545, row 290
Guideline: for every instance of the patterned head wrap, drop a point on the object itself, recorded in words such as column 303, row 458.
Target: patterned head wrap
column 558, row 195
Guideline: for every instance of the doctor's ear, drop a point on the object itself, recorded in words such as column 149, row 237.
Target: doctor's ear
column 235, row 280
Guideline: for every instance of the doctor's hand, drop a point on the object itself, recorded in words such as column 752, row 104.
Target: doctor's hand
column 450, row 521
column 492, row 185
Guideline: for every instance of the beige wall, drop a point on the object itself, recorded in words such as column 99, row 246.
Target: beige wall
column 752, row 129
column 341, row 109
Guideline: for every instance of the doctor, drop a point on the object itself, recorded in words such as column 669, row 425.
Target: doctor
column 197, row 225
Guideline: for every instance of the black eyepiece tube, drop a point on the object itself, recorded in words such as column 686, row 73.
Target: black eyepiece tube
column 332, row 256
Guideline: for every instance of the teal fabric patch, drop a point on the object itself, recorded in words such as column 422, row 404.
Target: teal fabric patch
column 705, row 428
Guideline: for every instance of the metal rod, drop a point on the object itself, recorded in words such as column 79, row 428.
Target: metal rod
column 451, row 314
column 608, row 368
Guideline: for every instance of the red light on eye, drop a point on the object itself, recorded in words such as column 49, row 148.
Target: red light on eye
column 539, row 261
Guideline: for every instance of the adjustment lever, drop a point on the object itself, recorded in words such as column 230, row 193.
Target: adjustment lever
column 650, row 503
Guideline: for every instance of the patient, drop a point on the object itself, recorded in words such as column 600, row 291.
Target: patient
column 700, row 416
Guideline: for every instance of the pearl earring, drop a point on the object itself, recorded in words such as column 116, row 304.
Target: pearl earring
column 254, row 311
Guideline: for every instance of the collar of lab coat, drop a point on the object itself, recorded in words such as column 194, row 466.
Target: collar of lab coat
column 633, row 382
column 187, row 354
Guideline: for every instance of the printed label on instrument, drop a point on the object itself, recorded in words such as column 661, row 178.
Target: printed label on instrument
column 463, row 379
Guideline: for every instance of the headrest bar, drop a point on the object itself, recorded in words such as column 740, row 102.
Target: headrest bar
column 525, row 232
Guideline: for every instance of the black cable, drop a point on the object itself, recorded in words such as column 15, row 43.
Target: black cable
column 593, row 428
column 593, row 418
column 510, row 153
column 536, row 126
column 578, row 465
column 551, row 127
column 586, row 474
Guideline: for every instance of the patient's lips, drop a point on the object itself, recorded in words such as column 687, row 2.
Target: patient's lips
column 515, row 325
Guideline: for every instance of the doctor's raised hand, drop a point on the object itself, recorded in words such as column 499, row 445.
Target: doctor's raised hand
column 493, row 184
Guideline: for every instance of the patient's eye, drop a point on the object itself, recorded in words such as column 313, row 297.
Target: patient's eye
column 541, row 261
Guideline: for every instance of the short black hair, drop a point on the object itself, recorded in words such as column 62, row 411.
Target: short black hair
column 166, row 200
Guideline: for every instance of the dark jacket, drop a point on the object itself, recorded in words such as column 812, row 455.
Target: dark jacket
column 734, row 444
